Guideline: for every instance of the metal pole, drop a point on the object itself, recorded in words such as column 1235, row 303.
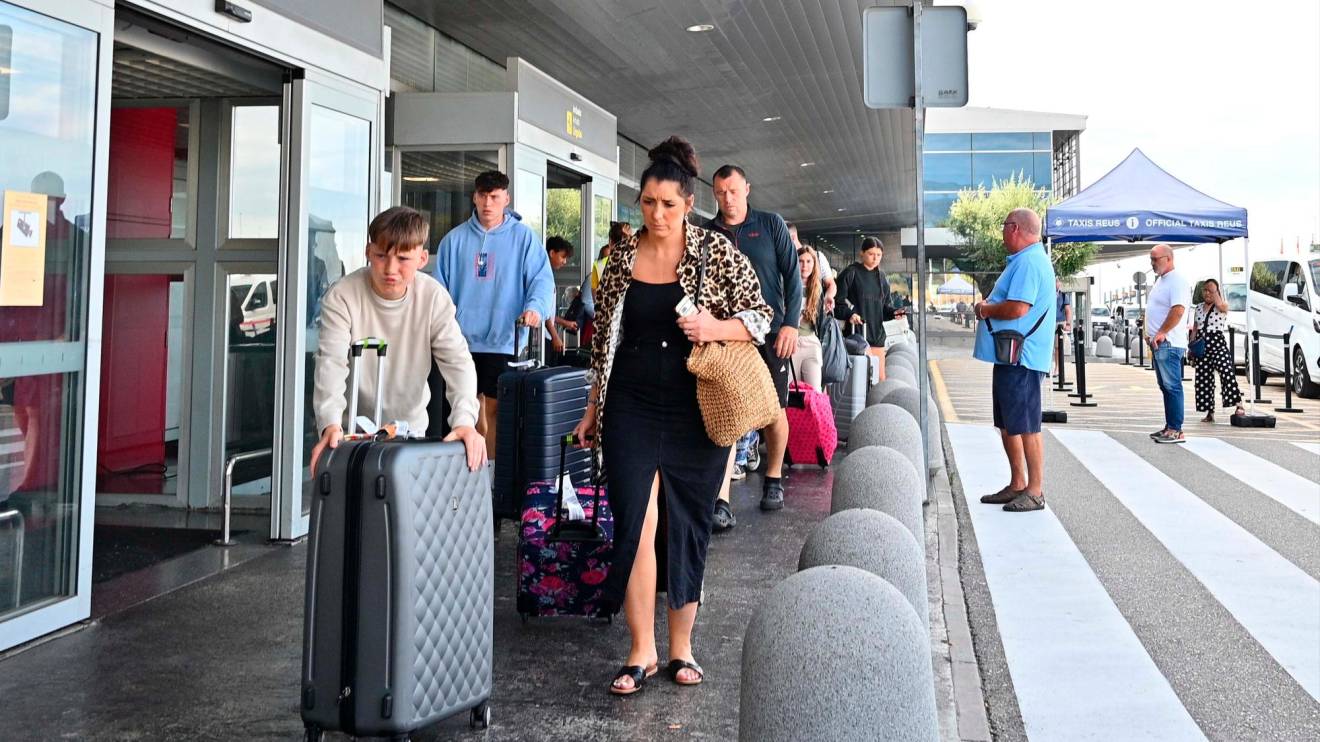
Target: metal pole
column 1079, row 339
column 227, row 495
column 1287, row 375
column 1255, row 365
column 918, row 146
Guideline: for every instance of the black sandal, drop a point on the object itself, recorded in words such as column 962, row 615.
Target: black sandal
column 638, row 674
column 677, row 666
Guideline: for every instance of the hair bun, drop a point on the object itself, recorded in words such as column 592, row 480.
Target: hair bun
column 679, row 151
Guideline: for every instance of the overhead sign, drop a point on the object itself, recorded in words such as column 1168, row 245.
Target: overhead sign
column 550, row 105
column 888, row 79
column 23, row 249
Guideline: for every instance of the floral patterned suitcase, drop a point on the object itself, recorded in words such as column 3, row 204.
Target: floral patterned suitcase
column 562, row 572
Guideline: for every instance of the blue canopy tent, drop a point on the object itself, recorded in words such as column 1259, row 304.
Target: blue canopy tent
column 1138, row 201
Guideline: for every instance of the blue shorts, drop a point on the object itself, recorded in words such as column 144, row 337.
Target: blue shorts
column 1016, row 399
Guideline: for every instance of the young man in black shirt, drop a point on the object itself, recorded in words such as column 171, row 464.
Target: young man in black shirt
column 764, row 238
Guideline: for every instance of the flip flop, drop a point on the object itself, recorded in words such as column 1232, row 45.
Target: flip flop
column 676, row 666
column 638, row 674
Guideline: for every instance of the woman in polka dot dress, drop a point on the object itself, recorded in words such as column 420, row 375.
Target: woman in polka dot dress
column 1211, row 323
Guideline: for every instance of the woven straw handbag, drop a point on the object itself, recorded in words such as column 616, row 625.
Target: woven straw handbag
column 734, row 389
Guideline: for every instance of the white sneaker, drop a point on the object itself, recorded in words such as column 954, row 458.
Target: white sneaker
column 738, row 474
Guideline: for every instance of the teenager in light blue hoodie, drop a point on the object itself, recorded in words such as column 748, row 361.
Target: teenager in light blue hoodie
column 498, row 273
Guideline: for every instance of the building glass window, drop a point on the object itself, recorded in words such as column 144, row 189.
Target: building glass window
column 530, row 193
column 440, row 185
column 947, row 172
column 1041, row 140
column 1002, row 141
column 948, row 142
column 254, row 173
column 1044, row 165
column 937, row 208
column 339, row 197
column 47, row 126
column 147, row 196
column 991, row 167
column 600, row 226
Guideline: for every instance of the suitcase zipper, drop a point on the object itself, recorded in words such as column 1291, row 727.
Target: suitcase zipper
column 352, row 565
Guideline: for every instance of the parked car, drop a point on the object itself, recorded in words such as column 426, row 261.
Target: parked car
column 1285, row 298
column 1100, row 320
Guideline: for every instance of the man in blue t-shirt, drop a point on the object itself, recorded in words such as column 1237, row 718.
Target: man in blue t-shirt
column 1023, row 301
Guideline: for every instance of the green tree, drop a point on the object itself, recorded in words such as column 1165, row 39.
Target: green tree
column 563, row 215
column 978, row 217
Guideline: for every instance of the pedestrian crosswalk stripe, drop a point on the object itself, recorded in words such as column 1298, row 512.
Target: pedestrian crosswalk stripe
column 1079, row 670
column 1274, row 600
column 1308, row 446
column 1293, row 492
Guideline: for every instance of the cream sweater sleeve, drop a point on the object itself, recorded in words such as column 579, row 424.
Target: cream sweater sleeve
column 330, row 397
column 454, row 360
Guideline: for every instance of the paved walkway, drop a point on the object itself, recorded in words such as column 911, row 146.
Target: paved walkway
column 218, row 660
column 1166, row 592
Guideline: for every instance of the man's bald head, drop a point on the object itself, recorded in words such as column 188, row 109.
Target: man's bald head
column 1161, row 259
column 1021, row 228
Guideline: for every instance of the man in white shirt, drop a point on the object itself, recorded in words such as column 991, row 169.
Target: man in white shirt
column 1166, row 332
column 388, row 299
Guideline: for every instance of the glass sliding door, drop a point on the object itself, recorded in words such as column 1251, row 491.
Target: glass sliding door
column 334, row 177
column 51, row 121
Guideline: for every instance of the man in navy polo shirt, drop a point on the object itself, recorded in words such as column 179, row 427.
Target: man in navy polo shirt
column 763, row 237
column 1022, row 300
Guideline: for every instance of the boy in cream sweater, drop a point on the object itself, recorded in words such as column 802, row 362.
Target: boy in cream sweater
column 394, row 300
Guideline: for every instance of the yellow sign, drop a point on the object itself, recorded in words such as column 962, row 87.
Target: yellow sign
column 573, row 122
column 23, row 249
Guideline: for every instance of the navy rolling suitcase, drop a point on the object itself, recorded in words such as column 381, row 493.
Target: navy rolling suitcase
column 399, row 604
column 537, row 407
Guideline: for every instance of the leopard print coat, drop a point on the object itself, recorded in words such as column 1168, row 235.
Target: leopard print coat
column 730, row 290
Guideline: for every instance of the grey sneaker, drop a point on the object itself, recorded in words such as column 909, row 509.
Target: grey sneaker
column 754, row 457
column 738, row 474
column 772, row 498
column 724, row 519
column 1172, row 436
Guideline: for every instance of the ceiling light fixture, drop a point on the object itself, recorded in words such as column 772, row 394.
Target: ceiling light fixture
column 771, row 119
column 421, row 179
column 828, row 190
column 840, row 209
column 807, row 164
column 700, row 28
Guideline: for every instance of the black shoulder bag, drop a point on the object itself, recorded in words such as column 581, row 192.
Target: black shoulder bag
column 1008, row 343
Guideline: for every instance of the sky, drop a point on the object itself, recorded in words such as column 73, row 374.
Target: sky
column 1223, row 95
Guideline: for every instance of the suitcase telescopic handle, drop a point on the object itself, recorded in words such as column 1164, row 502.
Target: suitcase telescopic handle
column 355, row 351
column 568, row 531
column 536, row 358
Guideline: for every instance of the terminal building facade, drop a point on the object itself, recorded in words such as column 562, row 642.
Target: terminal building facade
column 196, row 166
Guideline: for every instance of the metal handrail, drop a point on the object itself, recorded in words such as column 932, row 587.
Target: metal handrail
column 14, row 515
column 228, row 493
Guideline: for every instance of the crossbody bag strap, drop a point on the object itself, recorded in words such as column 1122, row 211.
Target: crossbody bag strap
column 701, row 269
column 990, row 328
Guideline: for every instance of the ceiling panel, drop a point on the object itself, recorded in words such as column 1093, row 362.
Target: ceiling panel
column 799, row 60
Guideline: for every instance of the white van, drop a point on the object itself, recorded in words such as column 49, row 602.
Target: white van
column 1236, row 296
column 1285, row 296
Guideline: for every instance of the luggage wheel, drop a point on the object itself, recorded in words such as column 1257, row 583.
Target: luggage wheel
column 312, row 733
column 523, row 617
column 479, row 717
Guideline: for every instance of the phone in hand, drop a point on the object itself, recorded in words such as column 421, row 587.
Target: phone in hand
column 686, row 307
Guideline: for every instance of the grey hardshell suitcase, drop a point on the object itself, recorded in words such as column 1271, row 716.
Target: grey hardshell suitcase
column 399, row 607
column 849, row 396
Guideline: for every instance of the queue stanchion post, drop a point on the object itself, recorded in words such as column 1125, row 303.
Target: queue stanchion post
column 1060, row 368
column 1232, row 349
column 1287, row 376
column 1079, row 358
column 1257, row 378
column 1127, row 343
column 1141, row 343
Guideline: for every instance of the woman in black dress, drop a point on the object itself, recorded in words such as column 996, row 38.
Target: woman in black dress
column 864, row 298
column 664, row 471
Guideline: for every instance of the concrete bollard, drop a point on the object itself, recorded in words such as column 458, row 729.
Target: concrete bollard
column 836, row 653
column 888, row 425
column 934, row 444
column 880, row 478
column 901, row 373
column 1104, row 347
column 876, row 542
column 876, row 394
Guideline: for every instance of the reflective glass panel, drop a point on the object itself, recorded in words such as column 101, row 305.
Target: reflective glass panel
column 948, row 142
column 250, row 376
column 529, row 193
column 1044, row 175
column 339, row 183
column 147, row 196
column 1001, row 140
column 47, row 125
column 440, row 185
column 254, row 173
column 987, row 169
column 947, row 172
column 1042, row 140
column 937, row 208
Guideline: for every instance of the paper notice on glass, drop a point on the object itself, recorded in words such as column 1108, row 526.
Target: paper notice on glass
column 23, row 249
